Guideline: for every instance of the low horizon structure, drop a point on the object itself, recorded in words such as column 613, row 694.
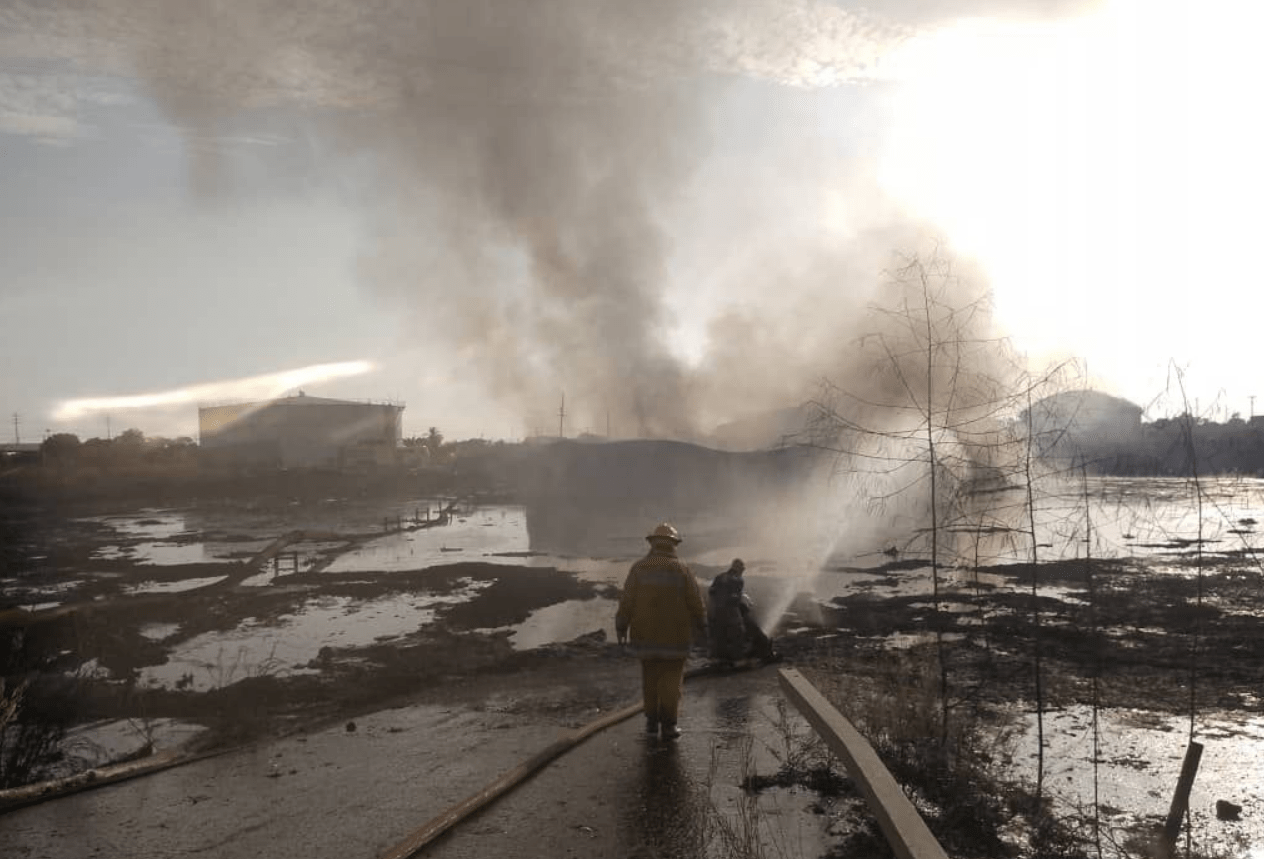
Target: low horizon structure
column 1083, row 424
column 303, row 432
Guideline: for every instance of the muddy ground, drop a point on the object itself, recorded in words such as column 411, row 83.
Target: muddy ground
column 1114, row 633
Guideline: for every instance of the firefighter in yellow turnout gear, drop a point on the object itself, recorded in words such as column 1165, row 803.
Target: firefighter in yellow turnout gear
column 659, row 609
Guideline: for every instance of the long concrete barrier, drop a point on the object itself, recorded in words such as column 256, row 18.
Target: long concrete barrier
column 903, row 827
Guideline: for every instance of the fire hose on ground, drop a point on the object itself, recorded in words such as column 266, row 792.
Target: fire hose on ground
column 422, row 837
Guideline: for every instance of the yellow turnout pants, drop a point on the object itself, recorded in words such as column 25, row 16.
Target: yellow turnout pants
column 661, row 682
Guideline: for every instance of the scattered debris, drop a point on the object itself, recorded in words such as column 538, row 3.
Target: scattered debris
column 1226, row 810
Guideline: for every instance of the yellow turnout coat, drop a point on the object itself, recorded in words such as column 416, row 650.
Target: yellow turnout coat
column 660, row 605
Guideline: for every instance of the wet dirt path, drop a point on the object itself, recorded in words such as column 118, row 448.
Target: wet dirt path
column 622, row 795
column 332, row 793
column 358, row 793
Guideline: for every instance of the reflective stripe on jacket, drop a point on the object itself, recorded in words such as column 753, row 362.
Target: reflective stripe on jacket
column 660, row 605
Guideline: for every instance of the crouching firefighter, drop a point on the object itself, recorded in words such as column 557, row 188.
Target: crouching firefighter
column 734, row 633
column 659, row 609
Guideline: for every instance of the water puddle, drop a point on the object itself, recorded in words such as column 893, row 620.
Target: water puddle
column 159, row 631
column 562, row 622
column 913, row 582
column 598, row 571
column 91, row 670
column 101, row 743
column 259, row 580
column 152, row 587
column 159, row 554
column 40, row 597
column 482, row 536
column 1140, row 757
column 751, row 736
column 909, row 640
column 150, row 523
column 286, row 645
column 215, row 535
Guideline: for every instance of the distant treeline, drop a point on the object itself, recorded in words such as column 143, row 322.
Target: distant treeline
column 154, row 470
column 160, row 470
column 1169, row 447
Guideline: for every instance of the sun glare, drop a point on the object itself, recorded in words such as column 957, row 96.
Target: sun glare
column 1101, row 169
column 253, row 387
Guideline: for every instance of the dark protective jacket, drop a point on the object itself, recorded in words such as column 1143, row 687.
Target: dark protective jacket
column 726, row 616
column 660, row 606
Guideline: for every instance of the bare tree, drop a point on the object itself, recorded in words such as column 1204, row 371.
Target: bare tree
column 928, row 419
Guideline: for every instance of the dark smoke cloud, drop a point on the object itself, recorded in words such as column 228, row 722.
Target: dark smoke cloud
column 545, row 170
column 531, row 163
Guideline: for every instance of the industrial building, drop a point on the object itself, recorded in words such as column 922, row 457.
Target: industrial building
column 303, row 432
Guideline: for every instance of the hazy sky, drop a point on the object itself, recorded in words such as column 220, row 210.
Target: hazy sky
column 640, row 205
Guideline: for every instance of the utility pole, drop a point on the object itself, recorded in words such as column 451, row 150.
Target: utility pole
column 107, row 427
column 561, row 416
column 17, row 438
column 1252, row 399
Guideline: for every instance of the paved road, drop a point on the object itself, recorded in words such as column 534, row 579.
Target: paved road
column 356, row 794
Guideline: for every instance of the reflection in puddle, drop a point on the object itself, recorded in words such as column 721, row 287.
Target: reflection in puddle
column 1141, row 755
column 598, row 571
column 563, row 622
column 954, row 583
column 159, row 631
column 833, row 584
column 489, row 531
column 148, row 522
column 1145, row 517
column 92, row 670
column 49, row 596
column 749, row 735
column 287, row 644
column 907, row 640
column 152, row 587
column 101, row 743
column 158, row 554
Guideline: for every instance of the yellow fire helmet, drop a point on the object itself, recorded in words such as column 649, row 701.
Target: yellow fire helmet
column 664, row 532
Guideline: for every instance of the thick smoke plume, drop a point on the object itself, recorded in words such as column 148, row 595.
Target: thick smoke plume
column 534, row 168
